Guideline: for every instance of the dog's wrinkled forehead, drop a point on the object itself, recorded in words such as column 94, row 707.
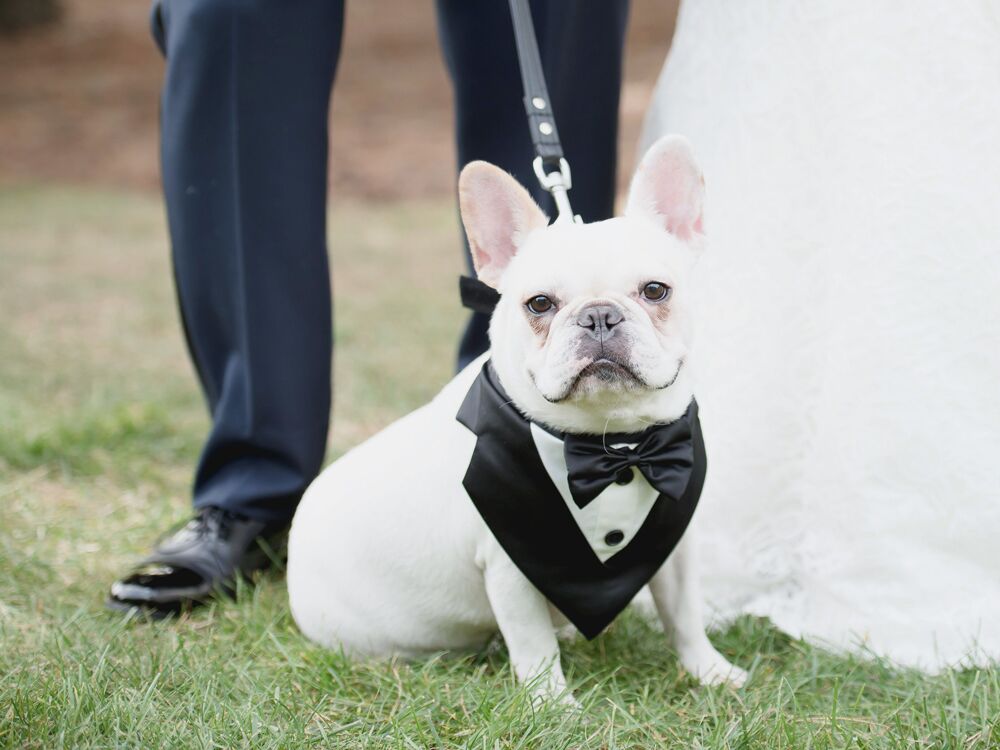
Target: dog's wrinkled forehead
column 585, row 261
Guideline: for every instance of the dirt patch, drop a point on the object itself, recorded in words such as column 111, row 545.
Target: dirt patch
column 79, row 101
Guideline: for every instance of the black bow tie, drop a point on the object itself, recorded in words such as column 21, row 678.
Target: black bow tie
column 664, row 455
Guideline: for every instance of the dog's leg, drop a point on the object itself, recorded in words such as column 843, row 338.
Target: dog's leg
column 677, row 594
column 522, row 615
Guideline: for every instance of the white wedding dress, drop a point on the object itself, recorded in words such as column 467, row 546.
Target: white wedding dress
column 849, row 329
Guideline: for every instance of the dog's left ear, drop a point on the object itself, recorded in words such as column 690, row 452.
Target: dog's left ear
column 668, row 188
column 498, row 214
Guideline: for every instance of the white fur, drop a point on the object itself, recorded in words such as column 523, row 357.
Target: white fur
column 388, row 555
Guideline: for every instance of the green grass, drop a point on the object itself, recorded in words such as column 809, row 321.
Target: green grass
column 100, row 422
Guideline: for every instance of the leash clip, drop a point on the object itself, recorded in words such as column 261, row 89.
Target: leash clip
column 557, row 183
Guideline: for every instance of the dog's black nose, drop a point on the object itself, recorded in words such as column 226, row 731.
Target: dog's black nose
column 599, row 320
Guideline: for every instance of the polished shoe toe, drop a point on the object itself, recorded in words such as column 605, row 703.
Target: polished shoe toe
column 159, row 590
column 196, row 562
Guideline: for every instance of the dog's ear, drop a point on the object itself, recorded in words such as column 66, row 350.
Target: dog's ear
column 669, row 188
column 498, row 214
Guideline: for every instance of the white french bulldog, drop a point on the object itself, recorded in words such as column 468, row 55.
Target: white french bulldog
column 387, row 554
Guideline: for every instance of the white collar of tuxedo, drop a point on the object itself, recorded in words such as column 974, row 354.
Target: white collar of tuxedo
column 611, row 520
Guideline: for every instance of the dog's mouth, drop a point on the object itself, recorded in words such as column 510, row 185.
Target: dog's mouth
column 608, row 370
column 606, row 373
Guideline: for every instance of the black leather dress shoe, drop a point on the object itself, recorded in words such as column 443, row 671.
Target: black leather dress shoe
column 198, row 561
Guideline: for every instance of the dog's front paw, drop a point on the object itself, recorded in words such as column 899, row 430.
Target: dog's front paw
column 710, row 667
column 550, row 690
column 568, row 633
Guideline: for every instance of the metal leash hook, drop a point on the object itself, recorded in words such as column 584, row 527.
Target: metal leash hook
column 557, row 183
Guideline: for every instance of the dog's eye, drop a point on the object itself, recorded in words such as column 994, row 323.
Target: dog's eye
column 539, row 305
column 654, row 291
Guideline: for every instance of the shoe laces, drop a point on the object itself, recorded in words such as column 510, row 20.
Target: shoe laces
column 212, row 521
column 208, row 521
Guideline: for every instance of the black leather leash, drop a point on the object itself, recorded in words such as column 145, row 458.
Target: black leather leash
column 551, row 167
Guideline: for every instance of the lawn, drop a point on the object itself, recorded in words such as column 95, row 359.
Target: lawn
column 100, row 422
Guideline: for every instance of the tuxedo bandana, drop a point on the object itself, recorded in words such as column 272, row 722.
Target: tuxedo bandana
column 518, row 498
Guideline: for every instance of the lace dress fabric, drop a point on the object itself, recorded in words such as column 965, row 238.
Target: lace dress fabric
column 849, row 325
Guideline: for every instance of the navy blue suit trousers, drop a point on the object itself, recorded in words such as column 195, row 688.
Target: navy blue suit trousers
column 244, row 161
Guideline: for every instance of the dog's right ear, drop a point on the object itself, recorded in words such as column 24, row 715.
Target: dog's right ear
column 498, row 215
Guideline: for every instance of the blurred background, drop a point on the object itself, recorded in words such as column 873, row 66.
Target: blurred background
column 80, row 81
